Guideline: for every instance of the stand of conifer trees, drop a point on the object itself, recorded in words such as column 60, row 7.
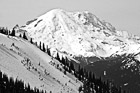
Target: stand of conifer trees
column 91, row 84
column 9, row 85
column 4, row 30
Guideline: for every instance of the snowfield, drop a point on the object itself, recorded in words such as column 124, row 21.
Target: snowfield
column 80, row 34
column 23, row 60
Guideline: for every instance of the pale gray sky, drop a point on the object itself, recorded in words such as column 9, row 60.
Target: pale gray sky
column 123, row 14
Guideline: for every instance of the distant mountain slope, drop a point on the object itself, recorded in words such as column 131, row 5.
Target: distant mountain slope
column 20, row 59
column 80, row 34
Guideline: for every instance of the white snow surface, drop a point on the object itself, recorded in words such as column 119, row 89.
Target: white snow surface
column 81, row 34
column 22, row 60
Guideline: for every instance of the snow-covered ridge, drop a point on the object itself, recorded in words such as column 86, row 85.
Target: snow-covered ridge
column 80, row 34
column 24, row 61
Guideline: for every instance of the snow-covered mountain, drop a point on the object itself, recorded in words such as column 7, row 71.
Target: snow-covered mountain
column 22, row 60
column 79, row 34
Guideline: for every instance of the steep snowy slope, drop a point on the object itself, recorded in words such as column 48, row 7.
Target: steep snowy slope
column 22, row 60
column 80, row 34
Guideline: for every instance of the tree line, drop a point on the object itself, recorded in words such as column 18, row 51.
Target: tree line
column 91, row 84
column 6, row 31
column 9, row 85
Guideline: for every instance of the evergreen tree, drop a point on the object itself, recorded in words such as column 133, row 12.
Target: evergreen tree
column 40, row 46
column 65, row 72
column 63, row 61
column 31, row 41
column 48, row 51
column 24, row 36
column 43, row 49
column 13, row 32
column 72, row 66
column 57, row 57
